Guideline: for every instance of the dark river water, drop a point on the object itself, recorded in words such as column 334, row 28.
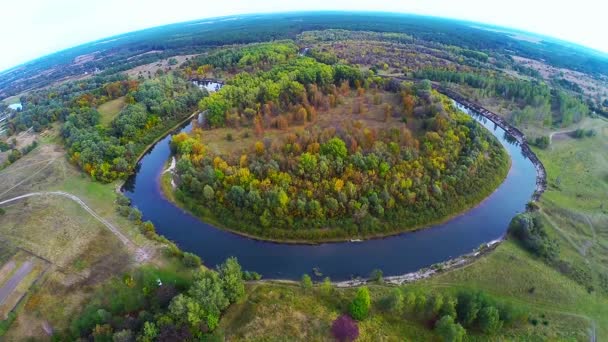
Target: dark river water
column 394, row 255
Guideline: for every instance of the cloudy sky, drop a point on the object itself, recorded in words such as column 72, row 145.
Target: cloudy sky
column 33, row 28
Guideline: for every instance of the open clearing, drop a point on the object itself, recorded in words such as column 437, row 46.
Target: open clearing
column 148, row 70
column 244, row 138
column 110, row 110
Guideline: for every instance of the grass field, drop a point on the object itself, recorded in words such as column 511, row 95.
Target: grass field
column 110, row 110
column 83, row 252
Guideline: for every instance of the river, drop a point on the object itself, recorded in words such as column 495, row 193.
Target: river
column 400, row 254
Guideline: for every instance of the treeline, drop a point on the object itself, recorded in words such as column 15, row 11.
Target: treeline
column 536, row 101
column 108, row 153
column 330, row 35
column 151, row 304
column 334, row 183
column 453, row 315
column 15, row 154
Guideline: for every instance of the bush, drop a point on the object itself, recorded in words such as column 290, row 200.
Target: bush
column 345, row 328
column 376, row 276
column 359, row 307
column 248, row 275
column 306, row 282
column 123, row 200
column 135, row 214
column 2, row 212
column 191, row 260
column 542, row 142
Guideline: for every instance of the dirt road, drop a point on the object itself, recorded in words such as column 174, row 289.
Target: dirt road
column 12, row 283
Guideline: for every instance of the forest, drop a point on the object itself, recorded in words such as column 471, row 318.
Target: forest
column 537, row 102
column 339, row 180
column 108, row 152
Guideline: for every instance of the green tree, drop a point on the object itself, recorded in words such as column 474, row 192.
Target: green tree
column 187, row 310
column 359, row 307
column 208, row 192
column 150, row 331
column 232, row 279
column 207, row 289
column 335, row 147
column 489, row 320
column 448, row 330
column 326, row 286
column 394, row 302
column 467, row 308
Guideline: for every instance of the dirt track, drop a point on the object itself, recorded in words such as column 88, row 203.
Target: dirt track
column 12, row 283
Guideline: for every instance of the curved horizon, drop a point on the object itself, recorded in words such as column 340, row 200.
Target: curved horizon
column 598, row 51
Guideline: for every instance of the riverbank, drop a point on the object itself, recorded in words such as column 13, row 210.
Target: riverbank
column 423, row 273
column 520, row 137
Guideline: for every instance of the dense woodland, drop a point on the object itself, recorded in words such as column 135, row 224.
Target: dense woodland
column 356, row 180
column 537, row 102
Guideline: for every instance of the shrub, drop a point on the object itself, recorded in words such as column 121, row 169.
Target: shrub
column 345, row 329
column 376, row 276
column 359, row 307
column 306, row 282
column 121, row 199
column 248, row 275
column 542, row 142
column 135, row 215
column 529, row 230
column 191, row 260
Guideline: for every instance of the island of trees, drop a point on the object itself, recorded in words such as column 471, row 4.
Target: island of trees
column 352, row 155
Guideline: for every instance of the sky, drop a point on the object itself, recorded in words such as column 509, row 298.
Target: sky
column 32, row 28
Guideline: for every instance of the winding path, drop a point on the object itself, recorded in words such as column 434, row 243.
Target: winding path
column 140, row 253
